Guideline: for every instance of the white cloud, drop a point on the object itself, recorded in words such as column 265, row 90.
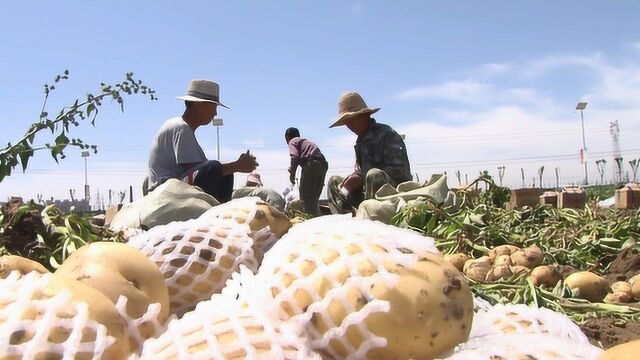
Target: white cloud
column 356, row 9
column 470, row 91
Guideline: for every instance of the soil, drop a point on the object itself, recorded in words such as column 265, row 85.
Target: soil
column 607, row 332
column 624, row 266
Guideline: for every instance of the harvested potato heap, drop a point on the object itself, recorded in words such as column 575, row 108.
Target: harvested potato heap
column 502, row 262
column 49, row 317
column 499, row 332
column 365, row 290
column 624, row 291
column 129, row 279
column 224, row 328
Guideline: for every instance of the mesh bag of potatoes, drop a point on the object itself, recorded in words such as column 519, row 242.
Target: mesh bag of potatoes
column 48, row 317
column 266, row 223
column 225, row 328
column 523, row 319
column 364, row 290
column 524, row 347
column 196, row 258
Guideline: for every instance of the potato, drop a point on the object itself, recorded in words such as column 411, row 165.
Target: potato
column 635, row 290
column 499, row 272
column 458, row 260
column 118, row 269
column 626, row 351
column 517, row 269
column 546, row 275
column 477, row 269
column 502, row 260
column 101, row 310
column 589, row 285
column 9, row 263
column 621, row 287
column 529, row 257
column 634, row 279
column 618, row 298
column 502, row 250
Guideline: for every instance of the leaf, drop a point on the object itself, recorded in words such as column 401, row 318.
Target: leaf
column 91, row 107
column 25, row 155
column 62, row 139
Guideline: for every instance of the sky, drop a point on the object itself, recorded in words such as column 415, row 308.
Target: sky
column 473, row 85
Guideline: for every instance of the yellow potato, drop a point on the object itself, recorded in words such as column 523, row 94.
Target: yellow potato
column 530, row 257
column 517, row 269
column 621, row 287
column 499, row 272
column 477, row 269
column 502, row 260
column 618, row 298
column 101, row 310
column 626, row 351
column 458, row 260
column 502, row 250
column 589, row 285
column 546, row 275
column 635, row 290
column 9, row 263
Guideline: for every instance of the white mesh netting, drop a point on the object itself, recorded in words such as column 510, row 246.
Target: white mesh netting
column 224, row 328
column 140, row 329
column 523, row 319
column 197, row 258
column 35, row 325
column 266, row 223
column 335, row 262
column 524, row 347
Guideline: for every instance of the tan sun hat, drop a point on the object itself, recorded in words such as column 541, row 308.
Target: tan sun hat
column 203, row 91
column 254, row 178
column 351, row 104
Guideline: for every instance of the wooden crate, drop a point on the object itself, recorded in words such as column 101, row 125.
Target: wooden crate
column 628, row 197
column 574, row 198
column 525, row 197
column 549, row 198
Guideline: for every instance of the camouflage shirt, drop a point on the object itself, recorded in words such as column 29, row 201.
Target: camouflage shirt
column 382, row 148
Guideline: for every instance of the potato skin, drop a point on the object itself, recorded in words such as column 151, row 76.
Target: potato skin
column 477, row 269
column 502, row 250
column 117, row 269
column 529, row 257
column 546, row 275
column 458, row 260
column 9, row 263
column 591, row 286
column 626, row 351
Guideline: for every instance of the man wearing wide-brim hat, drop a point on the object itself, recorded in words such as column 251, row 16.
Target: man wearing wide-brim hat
column 381, row 156
column 176, row 154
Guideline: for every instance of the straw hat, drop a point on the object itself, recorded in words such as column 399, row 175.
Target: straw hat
column 203, row 91
column 350, row 105
column 254, row 178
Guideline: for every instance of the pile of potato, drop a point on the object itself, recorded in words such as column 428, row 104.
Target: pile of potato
column 502, row 262
column 625, row 291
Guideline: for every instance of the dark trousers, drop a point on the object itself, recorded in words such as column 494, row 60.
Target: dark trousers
column 311, row 184
column 210, row 179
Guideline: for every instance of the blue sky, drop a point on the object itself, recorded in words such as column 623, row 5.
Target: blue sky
column 472, row 84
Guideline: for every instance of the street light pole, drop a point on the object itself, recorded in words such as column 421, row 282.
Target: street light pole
column 581, row 106
column 85, row 155
column 217, row 122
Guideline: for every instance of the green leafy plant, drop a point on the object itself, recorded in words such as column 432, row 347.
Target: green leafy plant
column 81, row 110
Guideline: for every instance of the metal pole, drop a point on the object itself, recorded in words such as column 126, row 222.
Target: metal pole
column 584, row 149
column 218, row 140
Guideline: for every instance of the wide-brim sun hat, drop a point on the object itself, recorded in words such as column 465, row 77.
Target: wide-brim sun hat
column 350, row 105
column 203, row 91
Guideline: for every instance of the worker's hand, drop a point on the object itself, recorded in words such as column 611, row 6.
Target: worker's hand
column 292, row 177
column 246, row 163
column 352, row 183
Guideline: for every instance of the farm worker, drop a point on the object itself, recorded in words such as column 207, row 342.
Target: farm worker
column 175, row 152
column 381, row 156
column 254, row 187
column 313, row 165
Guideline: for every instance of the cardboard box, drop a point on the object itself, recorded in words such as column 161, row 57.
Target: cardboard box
column 549, row 198
column 628, row 197
column 574, row 198
column 525, row 197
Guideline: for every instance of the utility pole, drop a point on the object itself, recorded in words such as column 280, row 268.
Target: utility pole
column 85, row 155
column 617, row 154
column 217, row 122
column 581, row 106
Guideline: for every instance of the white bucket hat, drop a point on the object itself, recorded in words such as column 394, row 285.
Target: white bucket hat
column 203, row 91
column 351, row 104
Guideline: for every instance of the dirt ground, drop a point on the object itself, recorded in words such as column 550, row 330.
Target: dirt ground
column 607, row 332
